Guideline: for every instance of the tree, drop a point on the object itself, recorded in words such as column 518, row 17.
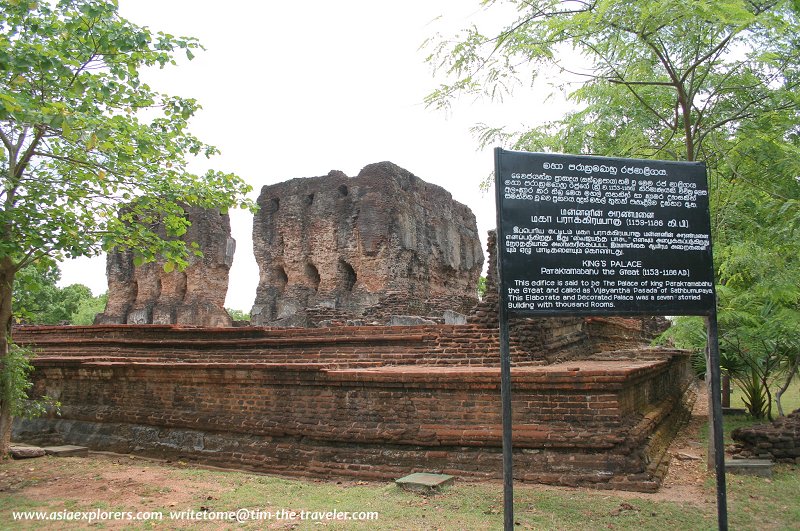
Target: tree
column 481, row 287
column 34, row 286
column 81, row 134
column 88, row 309
column 759, row 308
column 661, row 78
column 690, row 80
column 238, row 315
column 38, row 300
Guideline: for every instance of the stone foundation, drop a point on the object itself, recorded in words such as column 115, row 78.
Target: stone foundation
column 363, row 402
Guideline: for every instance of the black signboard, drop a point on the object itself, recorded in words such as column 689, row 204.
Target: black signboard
column 581, row 235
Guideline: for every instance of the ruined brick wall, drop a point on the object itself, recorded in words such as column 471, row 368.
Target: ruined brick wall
column 613, row 333
column 353, row 346
column 778, row 440
column 283, row 406
column 195, row 296
column 369, row 246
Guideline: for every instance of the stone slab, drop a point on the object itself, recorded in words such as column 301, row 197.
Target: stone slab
column 67, row 450
column 408, row 320
column 454, row 318
column 26, row 452
column 425, row 482
column 749, row 467
column 733, row 411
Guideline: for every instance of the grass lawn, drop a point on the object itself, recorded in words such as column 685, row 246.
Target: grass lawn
column 790, row 402
column 790, row 399
column 119, row 483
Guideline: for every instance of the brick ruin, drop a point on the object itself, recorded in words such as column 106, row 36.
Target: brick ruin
column 593, row 404
column 778, row 440
column 195, row 296
column 362, row 249
column 370, row 402
column 559, row 339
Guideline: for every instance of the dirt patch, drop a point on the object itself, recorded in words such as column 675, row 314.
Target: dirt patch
column 688, row 470
column 118, row 481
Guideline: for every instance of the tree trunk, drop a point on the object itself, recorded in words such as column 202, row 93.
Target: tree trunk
column 726, row 389
column 785, row 386
column 7, row 273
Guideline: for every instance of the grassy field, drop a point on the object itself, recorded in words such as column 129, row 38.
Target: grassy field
column 114, row 483
column 790, row 401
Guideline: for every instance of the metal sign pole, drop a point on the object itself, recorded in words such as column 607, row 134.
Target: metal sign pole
column 505, row 365
column 505, row 396
column 715, row 405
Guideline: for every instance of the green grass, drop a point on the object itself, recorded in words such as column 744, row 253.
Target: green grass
column 790, row 400
column 760, row 503
column 755, row 503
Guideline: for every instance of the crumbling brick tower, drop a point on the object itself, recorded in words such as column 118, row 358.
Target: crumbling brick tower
column 195, row 296
column 382, row 243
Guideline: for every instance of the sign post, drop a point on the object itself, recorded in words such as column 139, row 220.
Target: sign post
column 505, row 380
column 588, row 236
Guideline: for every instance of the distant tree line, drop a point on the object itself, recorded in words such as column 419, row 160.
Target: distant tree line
column 39, row 301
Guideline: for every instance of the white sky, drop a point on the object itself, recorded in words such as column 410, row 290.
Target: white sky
column 296, row 89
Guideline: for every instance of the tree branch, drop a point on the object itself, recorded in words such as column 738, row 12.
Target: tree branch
column 629, row 85
column 26, row 157
column 6, row 140
column 642, row 83
column 714, row 51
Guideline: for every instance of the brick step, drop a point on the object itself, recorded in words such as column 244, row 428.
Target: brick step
column 386, row 358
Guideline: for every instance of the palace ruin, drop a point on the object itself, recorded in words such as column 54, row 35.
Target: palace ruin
column 362, row 248
column 147, row 294
column 593, row 404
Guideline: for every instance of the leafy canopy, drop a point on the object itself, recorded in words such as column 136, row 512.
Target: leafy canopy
column 38, row 300
column 696, row 79
column 81, row 134
column 655, row 78
column 90, row 156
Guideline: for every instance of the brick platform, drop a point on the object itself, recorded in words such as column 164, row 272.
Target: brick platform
column 371, row 402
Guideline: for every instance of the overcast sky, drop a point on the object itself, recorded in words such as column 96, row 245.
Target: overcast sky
column 296, row 89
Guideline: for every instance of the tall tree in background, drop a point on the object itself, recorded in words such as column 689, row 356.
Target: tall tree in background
column 81, row 134
column 717, row 81
column 656, row 78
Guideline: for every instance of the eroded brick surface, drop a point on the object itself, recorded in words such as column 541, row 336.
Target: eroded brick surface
column 368, row 402
column 383, row 243
column 195, row 296
column 778, row 440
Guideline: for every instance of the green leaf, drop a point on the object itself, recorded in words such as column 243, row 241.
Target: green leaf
column 95, row 180
column 66, row 129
